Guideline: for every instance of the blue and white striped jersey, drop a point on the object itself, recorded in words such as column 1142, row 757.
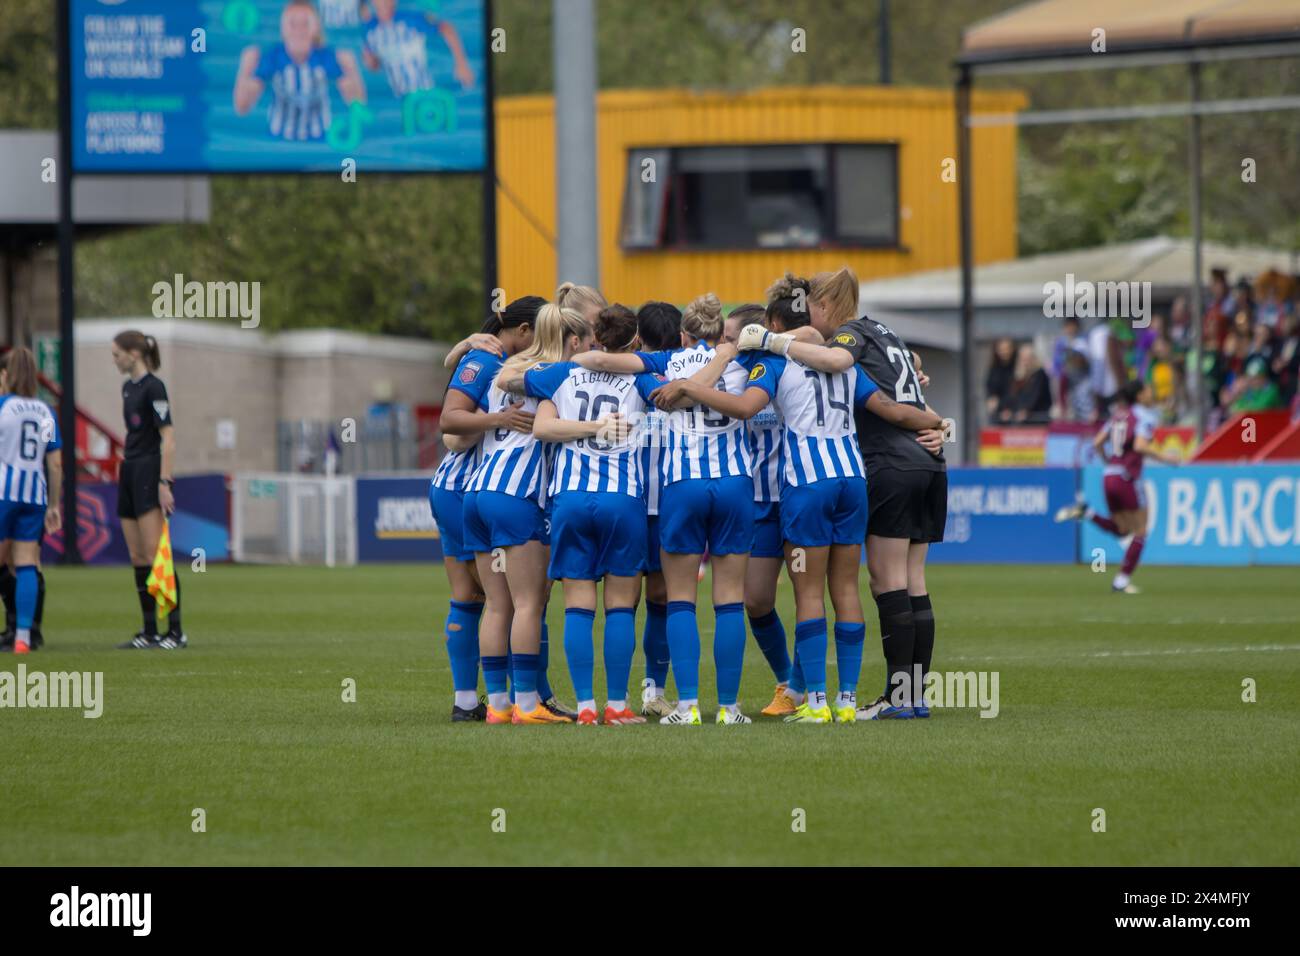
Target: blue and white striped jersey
column 702, row 443
column 28, row 430
column 401, row 46
column 765, row 447
column 593, row 464
column 654, row 441
column 816, row 409
column 473, row 377
column 337, row 14
column 511, row 462
column 300, row 101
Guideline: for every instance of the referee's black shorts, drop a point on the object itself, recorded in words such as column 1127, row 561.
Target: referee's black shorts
column 907, row 504
column 137, row 486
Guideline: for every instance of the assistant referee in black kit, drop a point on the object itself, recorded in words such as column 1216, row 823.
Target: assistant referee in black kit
column 144, row 488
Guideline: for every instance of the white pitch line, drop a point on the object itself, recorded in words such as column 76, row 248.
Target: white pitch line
column 1248, row 648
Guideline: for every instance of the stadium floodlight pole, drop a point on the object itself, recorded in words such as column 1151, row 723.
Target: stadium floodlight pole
column 886, row 66
column 67, row 341
column 489, row 165
column 969, row 406
column 573, row 30
column 1196, row 384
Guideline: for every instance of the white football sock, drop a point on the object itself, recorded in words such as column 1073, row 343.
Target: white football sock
column 618, row 705
column 846, row 698
column 796, row 696
column 684, row 705
column 466, row 699
column 816, row 699
column 527, row 701
column 499, row 701
column 24, row 636
column 586, row 705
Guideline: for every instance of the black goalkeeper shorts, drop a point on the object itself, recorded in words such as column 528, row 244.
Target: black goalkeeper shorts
column 907, row 504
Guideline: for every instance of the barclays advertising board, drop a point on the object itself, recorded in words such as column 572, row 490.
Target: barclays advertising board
column 1209, row 514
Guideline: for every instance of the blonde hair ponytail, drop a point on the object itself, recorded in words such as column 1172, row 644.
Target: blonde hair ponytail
column 838, row 291
column 581, row 298
column 702, row 319
column 554, row 326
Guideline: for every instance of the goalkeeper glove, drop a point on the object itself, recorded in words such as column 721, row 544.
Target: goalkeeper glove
column 756, row 337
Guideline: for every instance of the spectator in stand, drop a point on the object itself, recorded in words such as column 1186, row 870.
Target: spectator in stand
column 1255, row 391
column 1105, row 383
column 1078, row 404
column 1030, row 399
column 1070, row 340
column 1262, row 345
column 1218, row 308
column 1180, row 324
column 1236, row 349
column 997, row 384
column 1273, row 293
column 1161, row 377
column 1146, row 338
column 1286, row 357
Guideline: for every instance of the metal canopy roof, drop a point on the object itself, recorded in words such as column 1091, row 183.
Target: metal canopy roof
column 1061, row 28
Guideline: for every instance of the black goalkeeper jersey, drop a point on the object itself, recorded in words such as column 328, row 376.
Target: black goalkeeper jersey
column 145, row 409
column 888, row 362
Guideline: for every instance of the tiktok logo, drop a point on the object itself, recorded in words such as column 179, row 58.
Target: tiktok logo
column 345, row 132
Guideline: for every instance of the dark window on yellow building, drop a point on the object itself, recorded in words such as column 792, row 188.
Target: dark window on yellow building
column 762, row 197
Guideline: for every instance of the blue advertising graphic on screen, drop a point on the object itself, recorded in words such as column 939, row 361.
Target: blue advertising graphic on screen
column 278, row 85
column 1004, row 516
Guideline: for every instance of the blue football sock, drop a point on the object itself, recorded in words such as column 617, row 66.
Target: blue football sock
column 684, row 648
column 620, row 645
column 25, row 596
column 810, row 639
column 654, row 642
column 728, row 649
column 462, row 643
column 578, row 626
column 544, row 662
column 495, row 669
column 848, row 654
column 524, row 667
column 796, row 673
column 769, row 632
column 510, row 670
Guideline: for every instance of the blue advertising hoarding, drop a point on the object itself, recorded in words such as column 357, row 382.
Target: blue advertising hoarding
column 1208, row 514
column 196, row 86
column 1004, row 516
column 201, row 520
column 395, row 521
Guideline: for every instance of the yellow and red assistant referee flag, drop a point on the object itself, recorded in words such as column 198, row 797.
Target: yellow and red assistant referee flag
column 162, row 579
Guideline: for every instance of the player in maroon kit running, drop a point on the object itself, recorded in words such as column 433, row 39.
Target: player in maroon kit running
column 1124, row 442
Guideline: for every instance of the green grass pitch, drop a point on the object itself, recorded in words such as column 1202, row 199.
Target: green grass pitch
column 1128, row 704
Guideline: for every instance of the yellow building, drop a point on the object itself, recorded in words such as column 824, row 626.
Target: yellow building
column 722, row 192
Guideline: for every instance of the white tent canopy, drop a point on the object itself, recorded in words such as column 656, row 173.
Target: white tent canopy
column 1163, row 261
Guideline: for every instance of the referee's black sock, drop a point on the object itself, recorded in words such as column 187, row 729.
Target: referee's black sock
column 174, row 617
column 898, row 640
column 148, row 607
column 8, row 588
column 923, row 618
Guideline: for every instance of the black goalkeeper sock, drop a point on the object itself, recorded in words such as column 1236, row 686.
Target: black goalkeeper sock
column 8, row 588
column 174, row 617
column 923, row 619
column 898, row 640
column 148, row 607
